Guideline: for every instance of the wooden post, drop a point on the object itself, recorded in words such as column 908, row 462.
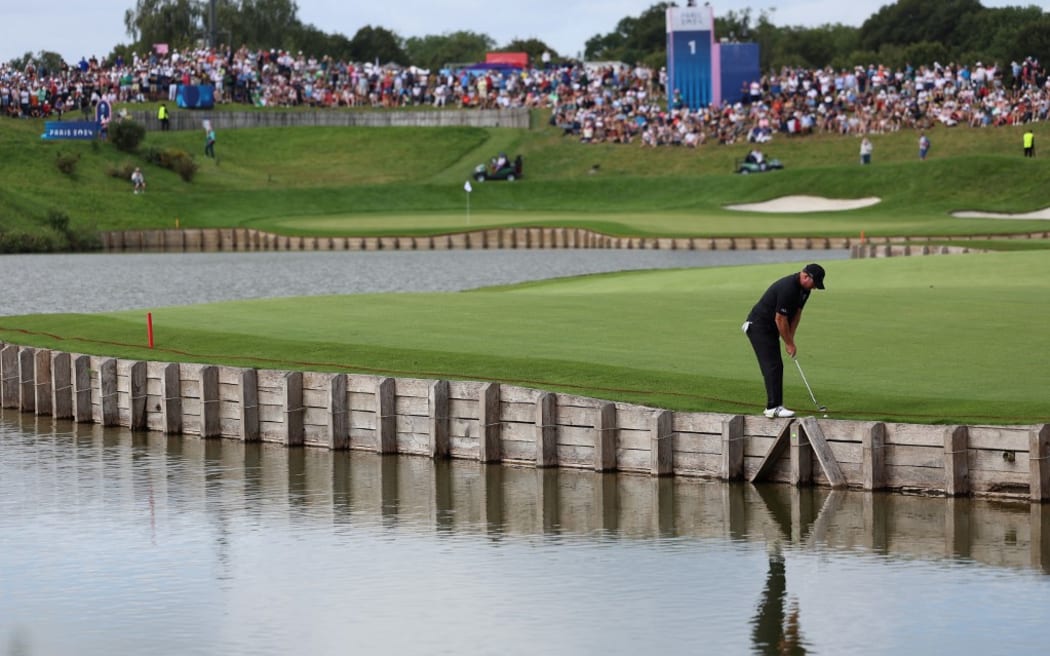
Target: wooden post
column 438, row 419
column 42, row 383
column 873, row 467
column 1038, row 463
column 26, row 393
column 338, row 413
column 956, row 461
column 9, row 376
column 546, row 430
column 801, row 457
column 489, row 424
column 249, row 410
column 62, row 388
column 82, row 410
column 386, row 420
column 293, row 409
column 605, row 438
column 107, row 392
column 172, row 391
column 661, row 443
column 137, row 396
column 211, row 421
column 733, row 448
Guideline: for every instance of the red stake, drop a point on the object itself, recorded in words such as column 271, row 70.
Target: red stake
column 149, row 328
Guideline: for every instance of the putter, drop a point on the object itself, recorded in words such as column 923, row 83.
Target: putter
column 822, row 408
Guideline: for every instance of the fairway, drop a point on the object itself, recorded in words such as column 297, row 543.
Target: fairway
column 946, row 339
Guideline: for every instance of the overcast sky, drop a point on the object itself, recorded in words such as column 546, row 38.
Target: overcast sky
column 87, row 27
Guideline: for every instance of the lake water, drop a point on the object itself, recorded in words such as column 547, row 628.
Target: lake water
column 120, row 543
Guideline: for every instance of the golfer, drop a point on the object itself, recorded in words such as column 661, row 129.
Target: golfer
column 776, row 317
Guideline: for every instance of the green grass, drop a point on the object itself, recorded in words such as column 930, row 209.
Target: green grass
column 369, row 181
column 940, row 339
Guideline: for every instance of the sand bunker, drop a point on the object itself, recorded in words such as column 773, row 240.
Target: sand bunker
column 1043, row 214
column 804, row 204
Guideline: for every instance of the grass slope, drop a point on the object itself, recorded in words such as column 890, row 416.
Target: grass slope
column 367, row 181
column 957, row 339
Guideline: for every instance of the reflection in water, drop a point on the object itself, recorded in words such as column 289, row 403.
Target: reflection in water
column 262, row 549
column 776, row 632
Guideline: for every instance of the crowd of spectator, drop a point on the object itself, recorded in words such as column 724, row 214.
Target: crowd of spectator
column 593, row 102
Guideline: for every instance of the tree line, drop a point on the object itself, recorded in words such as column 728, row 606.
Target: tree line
column 902, row 33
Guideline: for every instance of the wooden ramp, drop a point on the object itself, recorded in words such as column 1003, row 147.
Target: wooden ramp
column 799, row 434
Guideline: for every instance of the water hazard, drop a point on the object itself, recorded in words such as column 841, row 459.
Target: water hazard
column 114, row 542
column 120, row 543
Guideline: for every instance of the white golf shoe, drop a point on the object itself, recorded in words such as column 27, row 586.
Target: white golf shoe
column 777, row 412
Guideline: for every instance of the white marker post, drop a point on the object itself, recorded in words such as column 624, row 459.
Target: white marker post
column 467, row 188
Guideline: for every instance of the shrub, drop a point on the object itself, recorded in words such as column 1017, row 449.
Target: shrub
column 122, row 172
column 57, row 221
column 126, row 135
column 175, row 160
column 38, row 241
column 67, row 163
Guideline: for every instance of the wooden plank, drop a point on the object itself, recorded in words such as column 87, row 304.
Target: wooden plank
column 489, row 423
column 546, row 430
column 956, row 462
column 914, row 435
column 138, row 397
column 1039, row 463
column 107, row 388
column 42, row 383
column 574, row 416
column 661, row 441
column 711, row 444
column 605, row 438
column 62, row 388
column 776, row 450
column 386, row 428
column 699, row 422
column 633, row 417
column 874, row 464
column 438, row 418
column 998, row 438
column 823, row 452
column 338, row 413
column 733, row 448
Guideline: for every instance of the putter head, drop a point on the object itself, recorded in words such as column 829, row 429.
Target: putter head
column 823, row 408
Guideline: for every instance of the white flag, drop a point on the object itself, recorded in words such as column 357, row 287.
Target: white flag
column 467, row 187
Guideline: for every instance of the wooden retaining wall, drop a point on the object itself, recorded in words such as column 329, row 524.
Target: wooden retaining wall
column 244, row 239
column 233, row 120
column 492, row 422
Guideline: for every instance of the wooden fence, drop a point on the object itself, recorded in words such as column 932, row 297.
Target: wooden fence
column 493, row 422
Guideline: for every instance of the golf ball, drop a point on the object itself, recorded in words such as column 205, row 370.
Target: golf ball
column 825, row 415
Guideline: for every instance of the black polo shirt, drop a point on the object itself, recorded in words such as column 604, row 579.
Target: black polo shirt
column 786, row 296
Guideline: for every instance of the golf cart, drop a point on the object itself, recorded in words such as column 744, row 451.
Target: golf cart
column 755, row 162
column 499, row 169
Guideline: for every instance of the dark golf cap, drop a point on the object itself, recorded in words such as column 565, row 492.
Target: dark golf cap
column 816, row 272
